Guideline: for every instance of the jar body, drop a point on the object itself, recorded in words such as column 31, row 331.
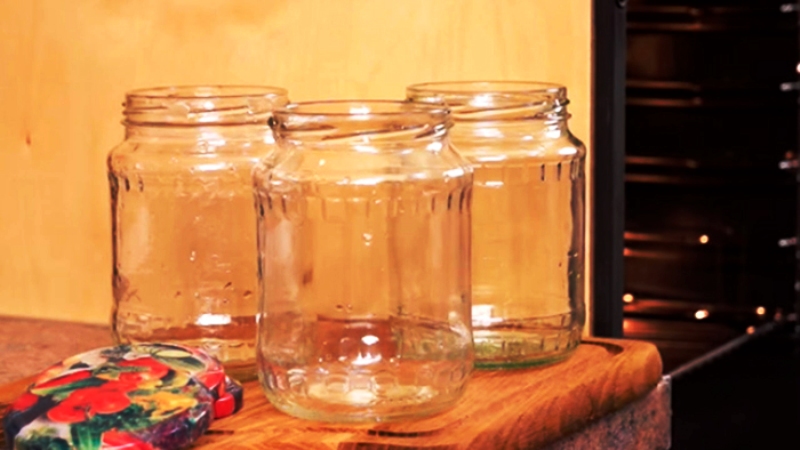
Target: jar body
column 184, row 240
column 528, row 254
column 528, row 229
column 364, row 253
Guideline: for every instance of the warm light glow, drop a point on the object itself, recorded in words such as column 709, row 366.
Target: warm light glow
column 366, row 359
column 453, row 173
column 483, row 100
column 434, row 147
column 483, row 315
column 491, row 158
column 761, row 310
column 205, row 320
column 363, row 148
column 359, row 110
column 627, row 298
column 366, row 181
column 703, row 239
column 492, row 133
column 701, row 314
column 210, row 167
column 370, row 339
column 751, row 330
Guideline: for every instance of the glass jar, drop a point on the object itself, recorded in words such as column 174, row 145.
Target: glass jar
column 363, row 228
column 184, row 237
column 528, row 217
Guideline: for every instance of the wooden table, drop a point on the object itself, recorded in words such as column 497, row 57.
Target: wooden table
column 609, row 394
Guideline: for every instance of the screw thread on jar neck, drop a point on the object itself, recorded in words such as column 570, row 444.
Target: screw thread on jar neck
column 498, row 109
column 202, row 106
column 487, row 101
column 379, row 123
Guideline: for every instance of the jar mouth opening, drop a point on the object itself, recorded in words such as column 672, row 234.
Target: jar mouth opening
column 206, row 92
column 193, row 106
column 348, row 120
column 488, row 87
column 361, row 109
column 487, row 101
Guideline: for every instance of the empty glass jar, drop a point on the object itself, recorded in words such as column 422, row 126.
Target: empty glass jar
column 527, row 217
column 184, row 235
column 364, row 225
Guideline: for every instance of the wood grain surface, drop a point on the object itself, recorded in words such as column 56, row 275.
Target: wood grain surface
column 522, row 409
column 31, row 345
column 66, row 65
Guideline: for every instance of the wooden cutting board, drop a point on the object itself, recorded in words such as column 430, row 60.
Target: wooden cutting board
column 517, row 409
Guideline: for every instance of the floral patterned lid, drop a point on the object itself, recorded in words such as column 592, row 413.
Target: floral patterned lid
column 131, row 397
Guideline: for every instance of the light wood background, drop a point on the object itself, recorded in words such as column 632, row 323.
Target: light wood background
column 65, row 65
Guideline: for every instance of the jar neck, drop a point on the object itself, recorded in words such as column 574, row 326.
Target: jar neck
column 213, row 135
column 554, row 126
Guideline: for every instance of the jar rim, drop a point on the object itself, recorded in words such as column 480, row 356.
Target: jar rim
column 490, row 87
column 360, row 109
column 210, row 91
column 491, row 101
column 202, row 105
column 336, row 121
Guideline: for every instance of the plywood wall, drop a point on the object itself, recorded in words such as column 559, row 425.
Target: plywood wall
column 65, row 64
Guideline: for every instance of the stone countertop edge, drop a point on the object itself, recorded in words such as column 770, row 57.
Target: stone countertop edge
column 645, row 424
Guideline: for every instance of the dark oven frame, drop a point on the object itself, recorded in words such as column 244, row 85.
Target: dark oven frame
column 608, row 166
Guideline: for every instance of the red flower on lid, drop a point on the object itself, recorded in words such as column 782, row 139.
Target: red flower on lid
column 65, row 379
column 149, row 369
column 117, row 440
column 26, row 401
column 83, row 404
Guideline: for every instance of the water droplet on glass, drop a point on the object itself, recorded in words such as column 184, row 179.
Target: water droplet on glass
column 339, row 307
column 247, row 294
column 193, row 256
column 178, row 294
column 229, row 285
column 367, row 239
